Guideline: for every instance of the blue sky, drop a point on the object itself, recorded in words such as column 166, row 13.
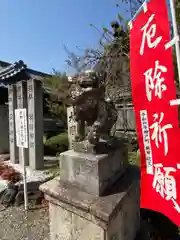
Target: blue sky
column 35, row 30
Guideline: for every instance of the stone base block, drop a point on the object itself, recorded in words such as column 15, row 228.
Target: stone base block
column 77, row 215
column 100, row 147
column 93, row 173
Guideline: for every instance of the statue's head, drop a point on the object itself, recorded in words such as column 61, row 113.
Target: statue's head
column 83, row 86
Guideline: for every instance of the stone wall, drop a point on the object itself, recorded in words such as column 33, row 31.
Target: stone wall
column 126, row 116
column 4, row 129
column 29, row 95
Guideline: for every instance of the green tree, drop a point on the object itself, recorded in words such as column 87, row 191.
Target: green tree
column 111, row 59
column 58, row 88
column 113, row 48
column 177, row 4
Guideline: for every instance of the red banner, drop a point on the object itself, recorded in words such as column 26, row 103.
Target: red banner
column 153, row 88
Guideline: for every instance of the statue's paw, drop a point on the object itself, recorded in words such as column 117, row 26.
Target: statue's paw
column 76, row 138
column 79, row 138
column 94, row 138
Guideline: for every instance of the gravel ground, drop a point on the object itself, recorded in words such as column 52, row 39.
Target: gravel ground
column 16, row 224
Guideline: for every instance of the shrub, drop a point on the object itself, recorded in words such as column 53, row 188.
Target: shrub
column 57, row 144
column 8, row 173
column 134, row 158
column 50, row 134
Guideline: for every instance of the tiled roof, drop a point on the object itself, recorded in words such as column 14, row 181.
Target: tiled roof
column 8, row 70
column 12, row 70
column 2, row 85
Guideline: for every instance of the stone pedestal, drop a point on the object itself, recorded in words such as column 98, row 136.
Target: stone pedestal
column 22, row 103
column 93, row 173
column 35, row 124
column 78, row 215
column 12, row 102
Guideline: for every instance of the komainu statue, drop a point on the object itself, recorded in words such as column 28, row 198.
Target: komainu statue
column 92, row 110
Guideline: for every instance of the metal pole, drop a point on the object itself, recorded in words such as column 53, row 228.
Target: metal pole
column 130, row 5
column 25, row 181
column 138, row 11
column 175, row 31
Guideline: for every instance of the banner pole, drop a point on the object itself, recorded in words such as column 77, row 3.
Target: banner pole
column 138, row 11
column 24, row 180
column 176, row 36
